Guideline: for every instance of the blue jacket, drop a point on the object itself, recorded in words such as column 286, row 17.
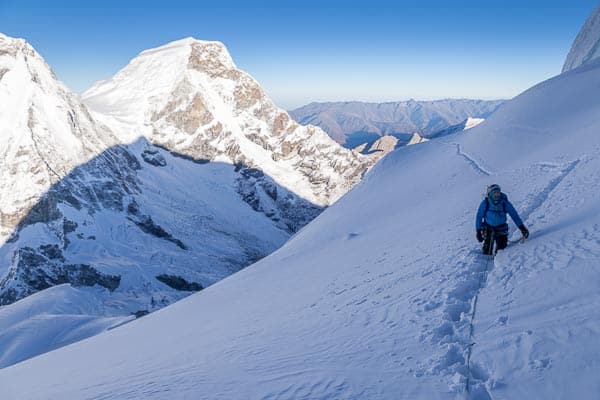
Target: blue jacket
column 496, row 213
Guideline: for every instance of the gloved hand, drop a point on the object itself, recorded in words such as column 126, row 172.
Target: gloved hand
column 480, row 235
column 524, row 231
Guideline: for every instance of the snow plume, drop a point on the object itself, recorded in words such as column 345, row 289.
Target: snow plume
column 386, row 294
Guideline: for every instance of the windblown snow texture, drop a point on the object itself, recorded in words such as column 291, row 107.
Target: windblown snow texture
column 374, row 299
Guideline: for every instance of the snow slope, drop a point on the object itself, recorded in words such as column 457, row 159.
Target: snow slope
column 51, row 319
column 586, row 46
column 373, row 300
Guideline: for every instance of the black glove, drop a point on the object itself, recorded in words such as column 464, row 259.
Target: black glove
column 480, row 235
column 524, row 231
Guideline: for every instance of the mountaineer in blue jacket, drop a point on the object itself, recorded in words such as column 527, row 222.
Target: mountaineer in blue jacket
column 491, row 220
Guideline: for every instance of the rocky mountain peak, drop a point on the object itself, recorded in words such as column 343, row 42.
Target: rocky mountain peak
column 416, row 139
column 188, row 97
column 45, row 132
column 211, row 58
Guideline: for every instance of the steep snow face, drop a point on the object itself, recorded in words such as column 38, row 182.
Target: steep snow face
column 189, row 97
column 386, row 295
column 44, row 131
column 586, row 46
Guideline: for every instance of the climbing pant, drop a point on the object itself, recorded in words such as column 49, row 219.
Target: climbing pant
column 498, row 234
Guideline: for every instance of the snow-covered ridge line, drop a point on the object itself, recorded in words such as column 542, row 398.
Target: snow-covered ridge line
column 46, row 132
column 586, row 45
column 189, row 97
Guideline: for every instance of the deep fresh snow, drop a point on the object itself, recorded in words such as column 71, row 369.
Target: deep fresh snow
column 375, row 298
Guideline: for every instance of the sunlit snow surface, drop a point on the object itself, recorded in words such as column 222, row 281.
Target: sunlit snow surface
column 586, row 46
column 373, row 300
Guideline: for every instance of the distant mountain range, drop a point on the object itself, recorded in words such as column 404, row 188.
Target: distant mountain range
column 355, row 123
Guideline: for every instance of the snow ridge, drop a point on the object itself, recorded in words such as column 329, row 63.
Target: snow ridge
column 188, row 97
column 586, row 46
column 471, row 160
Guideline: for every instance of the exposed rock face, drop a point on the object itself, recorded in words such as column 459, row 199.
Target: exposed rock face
column 586, row 46
column 46, row 133
column 287, row 210
column 416, row 139
column 74, row 208
column 193, row 175
column 386, row 144
column 36, row 151
column 380, row 147
column 179, row 283
column 38, row 269
column 153, row 157
column 205, row 108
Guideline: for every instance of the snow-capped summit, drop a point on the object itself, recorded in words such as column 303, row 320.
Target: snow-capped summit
column 132, row 213
column 586, row 46
column 56, row 161
column 145, row 83
column 188, row 97
column 44, row 132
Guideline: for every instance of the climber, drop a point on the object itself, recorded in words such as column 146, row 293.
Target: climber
column 491, row 220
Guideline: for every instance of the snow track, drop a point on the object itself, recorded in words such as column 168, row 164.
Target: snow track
column 476, row 165
column 536, row 199
column 455, row 332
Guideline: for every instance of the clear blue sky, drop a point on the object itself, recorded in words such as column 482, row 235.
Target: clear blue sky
column 303, row 51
